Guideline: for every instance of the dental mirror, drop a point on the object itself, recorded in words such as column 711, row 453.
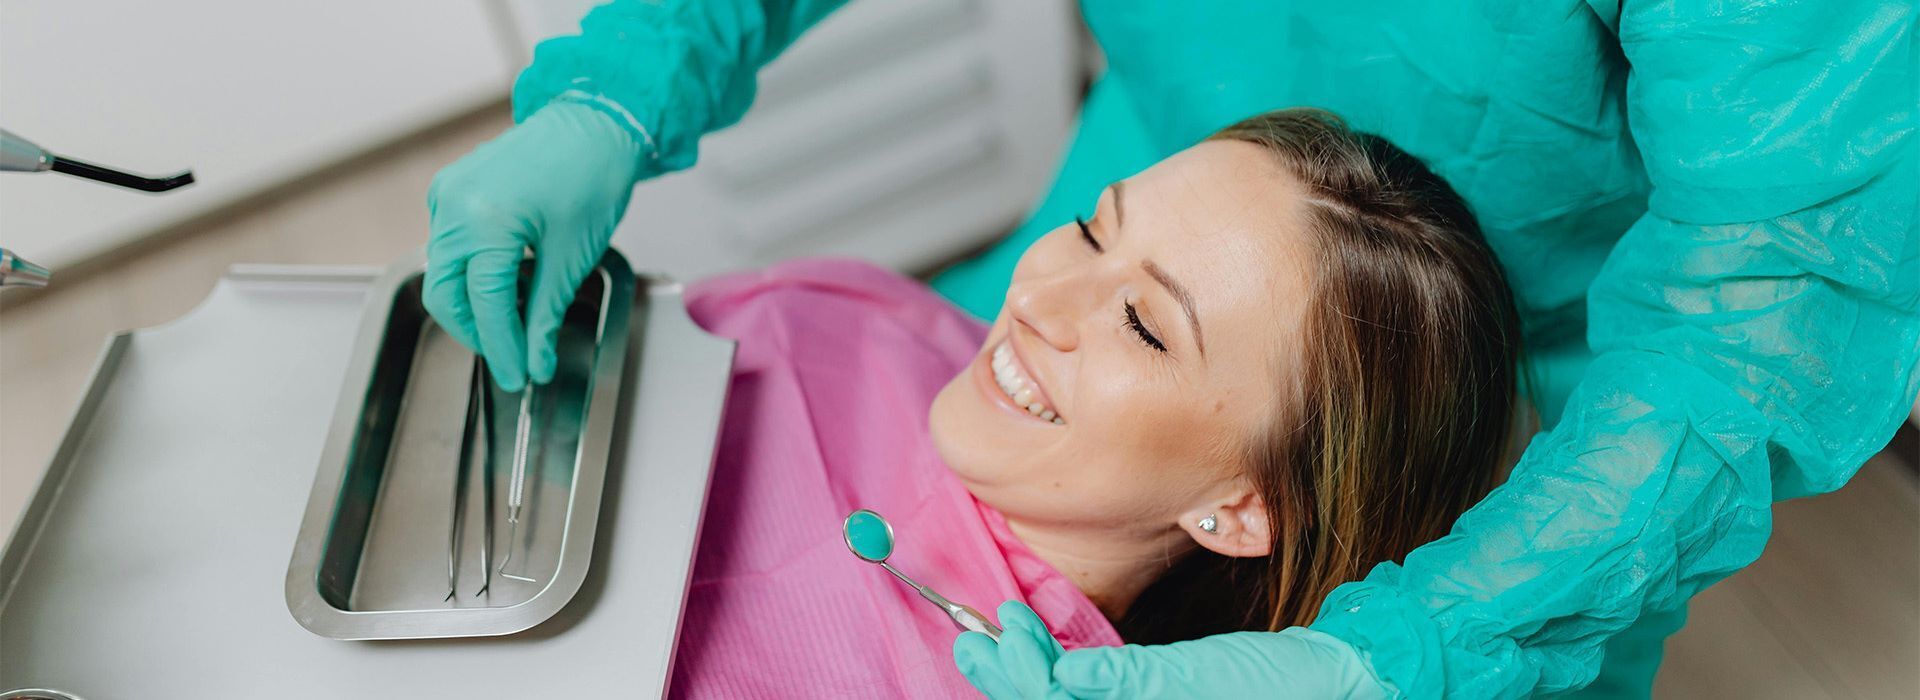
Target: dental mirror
column 870, row 537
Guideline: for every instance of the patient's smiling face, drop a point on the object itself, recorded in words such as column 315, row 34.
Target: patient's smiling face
column 1154, row 337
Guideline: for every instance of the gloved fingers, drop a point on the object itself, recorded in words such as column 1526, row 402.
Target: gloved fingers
column 445, row 297
column 1302, row 662
column 1024, row 660
column 493, row 280
column 556, row 279
column 1121, row 672
column 1014, row 613
column 978, row 658
column 1027, row 651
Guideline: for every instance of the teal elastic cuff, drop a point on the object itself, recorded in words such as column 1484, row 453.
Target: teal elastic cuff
column 614, row 126
column 1393, row 639
column 650, row 149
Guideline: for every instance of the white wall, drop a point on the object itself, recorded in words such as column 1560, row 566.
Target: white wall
column 905, row 132
column 249, row 94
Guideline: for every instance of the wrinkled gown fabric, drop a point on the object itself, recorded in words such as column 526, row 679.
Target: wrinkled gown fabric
column 837, row 364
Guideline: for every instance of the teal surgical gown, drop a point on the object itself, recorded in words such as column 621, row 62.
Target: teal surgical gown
column 1706, row 210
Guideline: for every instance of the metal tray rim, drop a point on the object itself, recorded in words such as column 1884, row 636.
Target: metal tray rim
column 302, row 595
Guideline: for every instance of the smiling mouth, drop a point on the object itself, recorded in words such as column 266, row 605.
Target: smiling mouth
column 1019, row 386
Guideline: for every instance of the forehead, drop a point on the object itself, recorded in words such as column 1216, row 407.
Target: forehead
column 1226, row 219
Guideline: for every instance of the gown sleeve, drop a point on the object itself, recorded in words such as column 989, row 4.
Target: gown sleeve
column 669, row 70
column 1755, row 339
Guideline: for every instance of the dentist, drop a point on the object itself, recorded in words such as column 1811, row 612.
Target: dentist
column 1707, row 214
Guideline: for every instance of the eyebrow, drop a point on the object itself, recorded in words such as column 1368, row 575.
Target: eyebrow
column 1173, row 286
column 1179, row 294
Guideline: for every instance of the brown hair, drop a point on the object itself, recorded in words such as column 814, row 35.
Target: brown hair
column 1405, row 397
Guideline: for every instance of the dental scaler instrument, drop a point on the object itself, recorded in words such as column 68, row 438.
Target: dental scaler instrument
column 517, row 481
column 870, row 537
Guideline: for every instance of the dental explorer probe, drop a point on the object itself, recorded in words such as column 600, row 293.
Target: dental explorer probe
column 517, row 482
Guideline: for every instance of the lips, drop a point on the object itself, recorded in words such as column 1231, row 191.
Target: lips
column 1019, row 386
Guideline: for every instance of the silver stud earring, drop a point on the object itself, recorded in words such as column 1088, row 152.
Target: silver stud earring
column 1210, row 524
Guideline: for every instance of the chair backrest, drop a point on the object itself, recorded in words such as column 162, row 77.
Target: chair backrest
column 906, row 132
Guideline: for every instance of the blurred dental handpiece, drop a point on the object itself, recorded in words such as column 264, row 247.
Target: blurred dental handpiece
column 15, row 272
column 20, row 155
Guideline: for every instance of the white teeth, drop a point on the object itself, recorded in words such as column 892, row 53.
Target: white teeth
column 1012, row 380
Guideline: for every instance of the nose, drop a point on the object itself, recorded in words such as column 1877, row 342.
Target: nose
column 1051, row 305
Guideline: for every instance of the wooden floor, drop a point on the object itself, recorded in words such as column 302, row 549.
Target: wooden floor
column 1831, row 610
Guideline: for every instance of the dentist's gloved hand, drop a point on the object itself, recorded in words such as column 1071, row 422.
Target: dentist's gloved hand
column 556, row 183
column 1028, row 664
column 1294, row 663
column 1020, row 666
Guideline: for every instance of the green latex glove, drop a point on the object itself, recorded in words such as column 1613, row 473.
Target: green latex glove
column 1020, row 665
column 1029, row 664
column 1294, row 663
column 556, row 183
column 626, row 99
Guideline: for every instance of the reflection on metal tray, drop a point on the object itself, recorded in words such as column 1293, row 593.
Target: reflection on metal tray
column 151, row 560
column 421, row 523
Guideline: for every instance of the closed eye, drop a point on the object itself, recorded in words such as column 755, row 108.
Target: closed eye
column 1087, row 235
column 1140, row 329
column 1133, row 317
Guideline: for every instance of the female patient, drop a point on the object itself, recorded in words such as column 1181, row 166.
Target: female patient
column 1245, row 376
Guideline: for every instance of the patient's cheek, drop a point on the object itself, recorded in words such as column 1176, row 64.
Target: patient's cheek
column 1135, row 454
column 956, row 434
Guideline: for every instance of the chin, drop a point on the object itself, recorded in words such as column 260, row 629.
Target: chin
column 968, row 436
column 980, row 433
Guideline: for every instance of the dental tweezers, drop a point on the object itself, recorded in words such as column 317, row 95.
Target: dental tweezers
column 476, row 392
column 486, row 479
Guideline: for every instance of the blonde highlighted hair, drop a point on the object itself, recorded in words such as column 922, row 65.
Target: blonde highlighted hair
column 1406, row 397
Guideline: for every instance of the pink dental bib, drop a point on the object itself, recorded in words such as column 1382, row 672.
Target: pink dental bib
column 838, row 363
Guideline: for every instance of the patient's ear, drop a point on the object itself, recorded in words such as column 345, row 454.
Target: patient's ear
column 1241, row 526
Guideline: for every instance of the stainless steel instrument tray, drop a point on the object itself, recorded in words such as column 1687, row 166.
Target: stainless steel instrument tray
column 151, row 560
column 372, row 556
